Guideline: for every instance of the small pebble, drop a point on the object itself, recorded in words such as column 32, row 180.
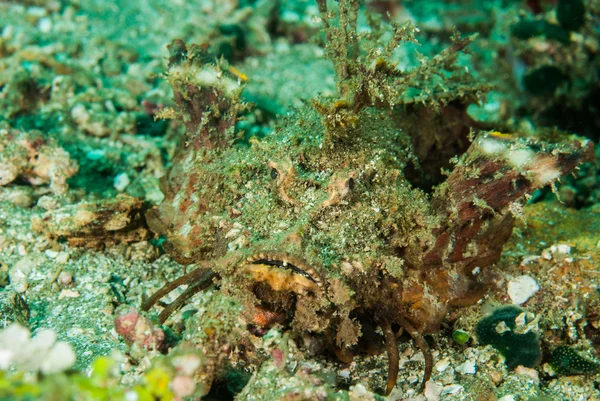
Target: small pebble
column 96, row 154
column 68, row 294
column 80, row 114
column 452, row 389
column 359, row 391
column 62, row 258
column 561, row 249
column 65, row 278
column 467, row 368
column 18, row 275
column 433, row 391
column 546, row 254
column 47, row 202
column 461, row 336
column 45, row 25
column 529, row 372
column 121, row 182
column 50, row 253
column 344, row 374
column 20, row 197
column 521, row 288
column 442, row 365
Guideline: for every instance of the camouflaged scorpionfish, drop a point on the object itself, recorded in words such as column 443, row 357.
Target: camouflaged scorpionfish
column 319, row 224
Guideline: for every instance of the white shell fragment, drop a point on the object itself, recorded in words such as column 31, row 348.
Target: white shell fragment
column 469, row 367
column 432, row 391
column 521, row 288
column 121, row 182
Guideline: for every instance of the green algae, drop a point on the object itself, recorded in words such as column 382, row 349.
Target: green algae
column 461, row 337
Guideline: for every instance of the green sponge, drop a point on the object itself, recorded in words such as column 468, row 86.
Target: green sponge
column 506, row 330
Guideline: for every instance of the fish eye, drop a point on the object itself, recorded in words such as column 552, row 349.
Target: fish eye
column 274, row 173
column 350, row 183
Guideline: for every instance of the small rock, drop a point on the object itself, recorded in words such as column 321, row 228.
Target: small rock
column 467, row 367
column 50, row 253
column 521, row 288
column 433, row 391
column 121, row 182
column 45, row 25
column 529, row 259
column 563, row 249
column 68, row 294
column 19, row 196
column 80, row 114
column 65, row 278
column 18, row 275
column 48, row 202
column 18, row 281
column 546, row 254
column 496, row 376
column 461, row 336
column 442, row 365
column 502, row 327
column 62, row 258
column 359, row 392
column 344, row 374
column 532, row 373
column 452, row 389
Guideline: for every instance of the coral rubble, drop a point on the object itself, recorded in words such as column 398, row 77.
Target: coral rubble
column 95, row 224
column 35, row 158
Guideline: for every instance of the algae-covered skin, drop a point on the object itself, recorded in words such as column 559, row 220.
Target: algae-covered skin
column 320, row 224
column 36, row 158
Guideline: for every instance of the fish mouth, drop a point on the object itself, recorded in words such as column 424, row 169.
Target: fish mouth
column 284, row 272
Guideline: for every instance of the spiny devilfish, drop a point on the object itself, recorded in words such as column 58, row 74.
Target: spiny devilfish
column 329, row 234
